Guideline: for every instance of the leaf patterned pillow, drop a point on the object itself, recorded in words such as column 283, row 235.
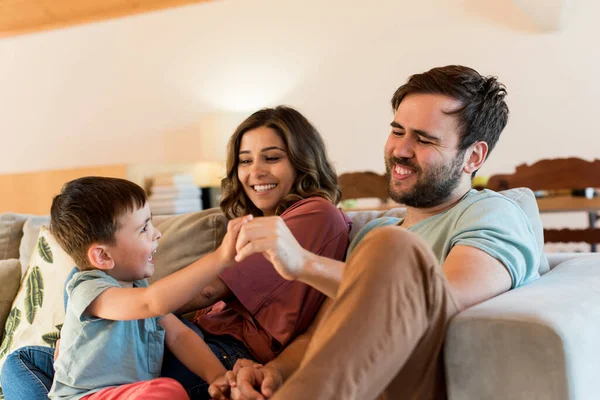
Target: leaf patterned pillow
column 37, row 313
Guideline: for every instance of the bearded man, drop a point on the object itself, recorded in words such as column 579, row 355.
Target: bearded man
column 381, row 332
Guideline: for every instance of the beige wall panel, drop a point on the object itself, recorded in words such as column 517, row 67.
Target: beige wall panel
column 32, row 192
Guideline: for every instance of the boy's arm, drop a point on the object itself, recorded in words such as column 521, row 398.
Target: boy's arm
column 171, row 292
column 214, row 292
column 191, row 350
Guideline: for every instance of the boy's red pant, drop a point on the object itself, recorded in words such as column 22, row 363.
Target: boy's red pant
column 160, row 388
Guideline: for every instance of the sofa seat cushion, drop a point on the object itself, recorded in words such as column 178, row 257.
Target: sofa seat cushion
column 10, row 277
column 538, row 341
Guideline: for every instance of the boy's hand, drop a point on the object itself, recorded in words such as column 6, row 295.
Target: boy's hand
column 226, row 251
column 220, row 388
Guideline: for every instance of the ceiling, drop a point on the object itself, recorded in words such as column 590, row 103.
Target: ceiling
column 26, row 16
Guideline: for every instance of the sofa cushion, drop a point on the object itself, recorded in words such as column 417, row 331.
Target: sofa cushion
column 31, row 231
column 11, row 231
column 10, row 277
column 185, row 238
column 525, row 198
column 38, row 311
column 539, row 341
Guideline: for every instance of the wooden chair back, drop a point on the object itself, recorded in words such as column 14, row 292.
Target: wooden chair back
column 561, row 177
column 361, row 185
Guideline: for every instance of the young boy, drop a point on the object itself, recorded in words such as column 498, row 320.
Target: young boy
column 116, row 326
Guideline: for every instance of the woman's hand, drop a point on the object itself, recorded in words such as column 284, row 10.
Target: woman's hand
column 227, row 251
column 271, row 237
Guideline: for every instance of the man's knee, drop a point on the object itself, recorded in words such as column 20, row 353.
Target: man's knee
column 393, row 239
column 393, row 251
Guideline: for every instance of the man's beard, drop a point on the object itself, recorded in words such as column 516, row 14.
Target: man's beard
column 432, row 187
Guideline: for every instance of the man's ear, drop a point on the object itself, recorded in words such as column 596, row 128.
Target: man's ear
column 99, row 257
column 475, row 156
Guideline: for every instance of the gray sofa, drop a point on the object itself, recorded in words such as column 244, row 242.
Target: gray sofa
column 540, row 341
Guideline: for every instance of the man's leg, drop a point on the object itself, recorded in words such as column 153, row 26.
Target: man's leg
column 385, row 330
column 27, row 373
column 156, row 389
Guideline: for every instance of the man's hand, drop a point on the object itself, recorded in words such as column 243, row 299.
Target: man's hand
column 252, row 379
column 227, row 250
column 271, row 237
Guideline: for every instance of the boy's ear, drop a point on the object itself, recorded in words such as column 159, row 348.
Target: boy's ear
column 99, row 257
column 476, row 155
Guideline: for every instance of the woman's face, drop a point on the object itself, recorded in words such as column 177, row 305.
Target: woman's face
column 264, row 169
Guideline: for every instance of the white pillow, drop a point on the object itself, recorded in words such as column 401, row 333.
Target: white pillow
column 37, row 312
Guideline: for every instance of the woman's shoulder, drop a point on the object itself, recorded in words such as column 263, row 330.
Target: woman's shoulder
column 318, row 209
column 309, row 204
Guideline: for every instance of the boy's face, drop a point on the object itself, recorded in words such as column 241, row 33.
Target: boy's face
column 135, row 244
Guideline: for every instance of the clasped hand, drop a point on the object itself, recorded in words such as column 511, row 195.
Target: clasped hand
column 245, row 381
column 272, row 237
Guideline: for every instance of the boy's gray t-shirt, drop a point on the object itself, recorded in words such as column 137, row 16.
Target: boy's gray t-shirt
column 485, row 220
column 97, row 353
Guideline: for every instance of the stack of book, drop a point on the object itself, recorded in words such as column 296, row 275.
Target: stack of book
column 174, row 194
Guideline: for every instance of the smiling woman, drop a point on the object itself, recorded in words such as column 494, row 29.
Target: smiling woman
column 25, row 16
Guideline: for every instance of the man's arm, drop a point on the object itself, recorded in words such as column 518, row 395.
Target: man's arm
column 191, row 350
column 474, row 276
column 290, row 358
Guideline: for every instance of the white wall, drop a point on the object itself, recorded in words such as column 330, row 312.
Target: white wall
column 132, row 90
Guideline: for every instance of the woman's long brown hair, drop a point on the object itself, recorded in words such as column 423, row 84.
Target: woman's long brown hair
column 307, row 154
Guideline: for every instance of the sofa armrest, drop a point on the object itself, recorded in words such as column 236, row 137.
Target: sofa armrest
column 540, row 341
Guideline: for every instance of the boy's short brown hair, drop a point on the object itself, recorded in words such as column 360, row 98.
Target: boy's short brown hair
column 88, row 210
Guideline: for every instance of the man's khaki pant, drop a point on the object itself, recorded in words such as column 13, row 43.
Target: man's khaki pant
column 384, row 334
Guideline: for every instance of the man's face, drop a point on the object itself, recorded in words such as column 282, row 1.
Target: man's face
column 422, row 163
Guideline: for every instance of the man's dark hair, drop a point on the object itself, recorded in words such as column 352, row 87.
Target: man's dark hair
column 483, row 114
column 88, row 211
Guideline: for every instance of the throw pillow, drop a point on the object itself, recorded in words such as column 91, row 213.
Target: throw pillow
column 37, row 313
column 186, row 238
column 31, row 232
column 10, row 276
column 525, row 198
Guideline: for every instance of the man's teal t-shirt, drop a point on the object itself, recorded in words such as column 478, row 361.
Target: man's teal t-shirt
column 97, row 353
column 485, row 220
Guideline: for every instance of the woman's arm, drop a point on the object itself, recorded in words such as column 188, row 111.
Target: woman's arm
column 271, row 237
